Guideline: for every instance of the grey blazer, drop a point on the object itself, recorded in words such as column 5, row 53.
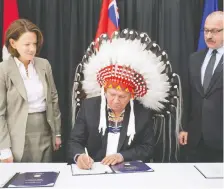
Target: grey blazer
column 14, row 104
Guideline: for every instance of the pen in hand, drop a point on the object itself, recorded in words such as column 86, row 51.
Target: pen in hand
column 87, row 156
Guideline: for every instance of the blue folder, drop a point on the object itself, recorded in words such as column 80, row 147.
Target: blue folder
column 32, row 179
column 131, row 167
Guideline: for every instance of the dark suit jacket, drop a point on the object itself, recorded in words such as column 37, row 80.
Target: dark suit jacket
column 205, row 108
column 85, row 133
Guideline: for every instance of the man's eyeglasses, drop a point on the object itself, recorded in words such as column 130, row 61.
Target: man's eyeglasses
column 212, row 31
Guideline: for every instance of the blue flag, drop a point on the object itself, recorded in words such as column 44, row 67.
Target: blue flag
column 209, row 7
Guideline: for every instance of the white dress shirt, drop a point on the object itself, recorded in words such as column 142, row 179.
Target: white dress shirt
column 35, row 95
column 112, row 143
column 34, row 87
column 219, row 55
column 113, row 137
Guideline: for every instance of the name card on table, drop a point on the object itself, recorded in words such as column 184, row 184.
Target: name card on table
column 32, row 179
column 210, row 170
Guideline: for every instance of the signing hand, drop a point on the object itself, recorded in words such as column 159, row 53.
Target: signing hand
column 84, row 161
column 112, row 159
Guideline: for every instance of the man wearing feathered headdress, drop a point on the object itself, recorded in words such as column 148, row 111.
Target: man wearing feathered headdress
column 115, row 125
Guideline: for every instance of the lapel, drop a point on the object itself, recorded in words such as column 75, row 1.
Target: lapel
column 216, row 75
column 15, row 76
column 197, row 71
column 123, row 133
column 41, row 72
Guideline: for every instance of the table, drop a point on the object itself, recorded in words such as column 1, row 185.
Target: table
column 166, row 175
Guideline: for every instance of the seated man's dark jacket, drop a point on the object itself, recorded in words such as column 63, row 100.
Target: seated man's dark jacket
column 86, row 134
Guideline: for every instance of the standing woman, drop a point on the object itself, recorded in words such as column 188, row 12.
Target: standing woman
column 30, row 119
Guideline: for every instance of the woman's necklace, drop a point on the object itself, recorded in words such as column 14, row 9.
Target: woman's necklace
column 27, row 74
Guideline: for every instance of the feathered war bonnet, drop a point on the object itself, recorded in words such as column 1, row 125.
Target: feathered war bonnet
column 126, row 62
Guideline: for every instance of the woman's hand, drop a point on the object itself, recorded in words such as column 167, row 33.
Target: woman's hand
column 8, row 160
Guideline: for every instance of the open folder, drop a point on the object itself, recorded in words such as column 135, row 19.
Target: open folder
column 99, row 168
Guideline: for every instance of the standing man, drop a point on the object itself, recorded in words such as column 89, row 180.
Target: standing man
column 203, row 132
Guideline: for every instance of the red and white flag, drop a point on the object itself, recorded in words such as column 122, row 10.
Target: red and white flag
column 10, row 13
column 109, row 18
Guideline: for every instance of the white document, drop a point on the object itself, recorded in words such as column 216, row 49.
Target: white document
column 6, row 177
column 210, row 170
column 97, row 168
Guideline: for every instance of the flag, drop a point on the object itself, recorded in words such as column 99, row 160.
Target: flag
column 10, row 13
column 109, row 18
column 209, row 7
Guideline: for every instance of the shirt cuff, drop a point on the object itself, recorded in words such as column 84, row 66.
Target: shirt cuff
column 58, row 135
column 5, row 153
column 76, row 157
column 121, row 156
